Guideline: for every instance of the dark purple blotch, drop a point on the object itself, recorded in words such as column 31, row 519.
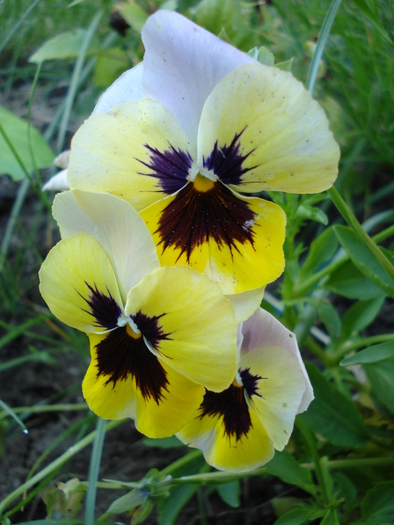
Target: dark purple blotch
column 231, row 405
column 170, row 167
column 103, row 307
column 226, row 161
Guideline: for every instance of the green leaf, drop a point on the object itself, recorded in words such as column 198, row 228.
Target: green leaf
column 332, row 415
column 331, row 518
column 349, row 282
column 381, row 378
column 321, row 250
column 134, row 15
column 286, row 65
column 285, row 467
column 312, row 213
column 299, row 516
column 16, row 130
column 65, row 45
column 229, row 492
column 377, row 507
column 262, row 55
column 360, row 315
column 373, row 354
column 169, row 508
column 135, row 498
column 347, row 489
column 329, row 317
column 110, row 66
column 364, row 259
column 370, row 15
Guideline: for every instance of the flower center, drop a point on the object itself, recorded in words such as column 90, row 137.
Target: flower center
column 133, row 331
column 202, row 183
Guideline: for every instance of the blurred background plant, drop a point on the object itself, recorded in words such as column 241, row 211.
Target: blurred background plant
column 57, row 57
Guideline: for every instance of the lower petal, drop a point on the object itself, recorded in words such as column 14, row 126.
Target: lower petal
column 227, row 452
column 237, row 241
column 155, row 419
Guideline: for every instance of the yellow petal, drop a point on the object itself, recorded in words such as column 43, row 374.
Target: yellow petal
column 197, row 324
column 130, row 152
column 76, row 272
column 124, row 399
column 265, row 118
column 185, row 234
column 225, row 452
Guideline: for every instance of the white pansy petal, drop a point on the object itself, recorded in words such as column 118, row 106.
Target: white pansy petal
column 57, row 183
column 118, row 228
column 262, row 329
column 183, row 63
column 127, row 88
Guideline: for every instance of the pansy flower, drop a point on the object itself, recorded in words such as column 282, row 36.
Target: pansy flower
column 187, row 133
column 240, row 428
column 156, row 334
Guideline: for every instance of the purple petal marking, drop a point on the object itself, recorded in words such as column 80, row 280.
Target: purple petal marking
column 150, row 328
column 103, row 307
column 250, row 381
column 170, row 167
column 226, row 161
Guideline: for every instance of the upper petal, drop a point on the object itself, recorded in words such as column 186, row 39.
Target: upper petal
column 262, row 329
column 117, row 227
column 196, row 325
column 137, row 151
column 183, row 63
column 261, row 130
column 79, row 286
column 127, row 88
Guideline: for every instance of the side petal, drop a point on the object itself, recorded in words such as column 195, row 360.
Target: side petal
column 262, row 329
column 275, row 135
column 196, row 325
column 79, row 286
column 225, row 452
column 246, row 303
column 183, row 63
column 57, row 183
column 117, row 227
column 279, row 390
column 137, row 151
column 124, row 399
column 237, row 241
column 127, row 88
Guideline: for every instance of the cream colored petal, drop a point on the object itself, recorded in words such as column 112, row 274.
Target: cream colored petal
column 199, row 324
column 246, row 303
column 262, row 329
column 279, row 391
column 76, row 271
column 117, row 227
column 114, row 152
column 284, row 138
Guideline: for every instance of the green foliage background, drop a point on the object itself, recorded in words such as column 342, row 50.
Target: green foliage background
column 338, row 288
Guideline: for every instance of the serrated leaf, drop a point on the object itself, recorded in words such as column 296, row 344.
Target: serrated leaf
column 332, row 415
column 364, row 259
column 60, row 47
column 229, row 492
column 360, row 315
column 321, row 250
column 349, row 282
column 377, row 507
column 373, row 354
column 16, row 130
column 285, row 467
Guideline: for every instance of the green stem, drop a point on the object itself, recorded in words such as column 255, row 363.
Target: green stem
column 363, row 343
column 70, row 452
column 347, row 214
column 41, row 409
column 94, row 468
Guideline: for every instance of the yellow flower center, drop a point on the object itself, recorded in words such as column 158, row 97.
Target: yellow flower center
column 132, row 333
column 203, row 184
